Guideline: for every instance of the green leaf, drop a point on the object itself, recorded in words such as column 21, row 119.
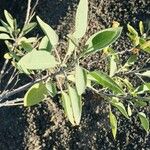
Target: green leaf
column 132, row 59
column 9, row 19
column 81, row 19
column 140, row 103
column 141, row 27
column 71, row 45
column 102, row 39
column 113, row 123
column 76, row 104
column 80, row 79
column 146, row 73
column 67, row 107
column 49, row 32
column 104, row 80
column 113, row 65
column 45, row 44
column 144, row 121
column 142, row 88
column 26, row 46
column 129, row 110
column 4, row 36
column 35, row 94
column 132, row 30
column 29, row 27
column 51, row 87
column 3, row 29
column 35, row 60
column 121, row 108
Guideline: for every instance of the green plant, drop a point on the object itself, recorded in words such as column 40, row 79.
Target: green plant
column 67, row 77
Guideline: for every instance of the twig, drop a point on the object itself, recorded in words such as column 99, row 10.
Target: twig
column 16, row 102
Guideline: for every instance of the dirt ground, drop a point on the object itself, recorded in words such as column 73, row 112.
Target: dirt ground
column 44, row 127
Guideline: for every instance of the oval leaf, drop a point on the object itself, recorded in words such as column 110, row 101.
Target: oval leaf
column 2, row 29
column 38, row 60
column 67, row 107
column 76, row 104
column 104, row 80
column 35, row 94
column 29, row 27
column 45, row 44
column 144, row 121
column 51, row 34
column 9, row 19
column 113, row 123
column 51, row 87
column 121, row 108
column 80, row 79
column 81, row 19
column 4, row 36
column 102, row 39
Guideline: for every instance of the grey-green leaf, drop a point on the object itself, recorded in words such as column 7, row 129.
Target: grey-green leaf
column 76, row 104
column 102, row 39
column 104, row 80
column 26, row 46
column 67, row 107
column 36, row 60
column 49, row 32
column 4, row 36
column 29, row 27
column 35, row 94
column 80, row 79
column 121, row 108
column 45, row 44
column 51, row 87
column 3, row 29
column 81, row 19
column 113, row 123
column 9, row 19
column 144, row 121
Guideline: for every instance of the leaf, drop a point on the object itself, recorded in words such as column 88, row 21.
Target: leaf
column 35, row 60
column 80, row 79
column 81, row 19
column 51, row 87
column 146, row 73
column 3, row 29
column 4, row 36
column 104, row 80
column 71, row 45
column 9, row 19
column 129, row 110
column 102, row 39
column 141, row 27
column 113, row 123
column 8, row 28
column 140, row 103
column 35, row 94
column 7, row 56
column 121, row 108
column 67, row 107
column 45, row 44
column 142, row 88
column 29, row 27
column 49, row 32
column 132, row 30
column 76, row 104
column 132, row 59
column 26, row 46
column 113, row 65
column 144, row 121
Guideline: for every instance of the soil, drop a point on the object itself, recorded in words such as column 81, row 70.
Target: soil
column 44, row 127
